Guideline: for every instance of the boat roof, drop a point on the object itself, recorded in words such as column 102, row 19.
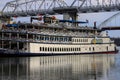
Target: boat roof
column 56, row 26
column 72, row 21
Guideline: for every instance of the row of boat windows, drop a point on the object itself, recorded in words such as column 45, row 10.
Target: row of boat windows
column 63, row 49
column 53, row 38
column 56, row 38
column 59, row 49
column 80, row 40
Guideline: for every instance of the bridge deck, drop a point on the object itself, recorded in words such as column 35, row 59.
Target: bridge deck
column 111, row 28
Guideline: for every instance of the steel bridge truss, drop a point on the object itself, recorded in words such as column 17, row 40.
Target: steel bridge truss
column 35, row 7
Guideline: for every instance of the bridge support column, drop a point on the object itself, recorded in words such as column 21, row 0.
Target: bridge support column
column 72, row 16
column 66, row 16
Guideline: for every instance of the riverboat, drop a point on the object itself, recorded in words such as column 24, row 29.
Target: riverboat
column 53, row 37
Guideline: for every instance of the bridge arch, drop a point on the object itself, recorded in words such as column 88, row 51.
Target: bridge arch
column 107, row 22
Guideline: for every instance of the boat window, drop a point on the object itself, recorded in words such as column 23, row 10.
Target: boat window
column 70, row 39
column 87, row 40
column 46, row 38
column 79, row 40
column 61, row 39
column 37, row 37
column 45, row 48
column 41, row 37
column 40, row 49
column 73, row 40
column 71, row 49
column 83, row 40
column 64, row 49
column 57, row 49
column 90, row 49
column 79, row 49
column 74, row 49
column 57, row 38
column 60, row 49
column 107, row 48
column 53, row 49
column 93, row 49
column 48, row 49
column 76, row 40
column 67, row 49
column 65, row 38
column 50, row 38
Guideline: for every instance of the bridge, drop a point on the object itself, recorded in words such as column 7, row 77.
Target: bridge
column 34, row 7
column 111, row 28
column 65, row 7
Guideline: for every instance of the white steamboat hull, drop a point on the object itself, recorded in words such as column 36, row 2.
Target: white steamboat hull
column 41, row 49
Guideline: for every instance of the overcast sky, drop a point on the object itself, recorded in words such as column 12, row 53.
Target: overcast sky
column 91, row 17
column 3, row 2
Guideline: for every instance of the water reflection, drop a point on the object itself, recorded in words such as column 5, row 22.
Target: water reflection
column 71, row 67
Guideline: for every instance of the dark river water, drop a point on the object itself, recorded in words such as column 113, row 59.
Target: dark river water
column 70, row 67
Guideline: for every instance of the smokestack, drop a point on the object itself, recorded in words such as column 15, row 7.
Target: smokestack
column 95, row 27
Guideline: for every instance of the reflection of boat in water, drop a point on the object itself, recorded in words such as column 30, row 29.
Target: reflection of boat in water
column 53, row 37
column 72, row 67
